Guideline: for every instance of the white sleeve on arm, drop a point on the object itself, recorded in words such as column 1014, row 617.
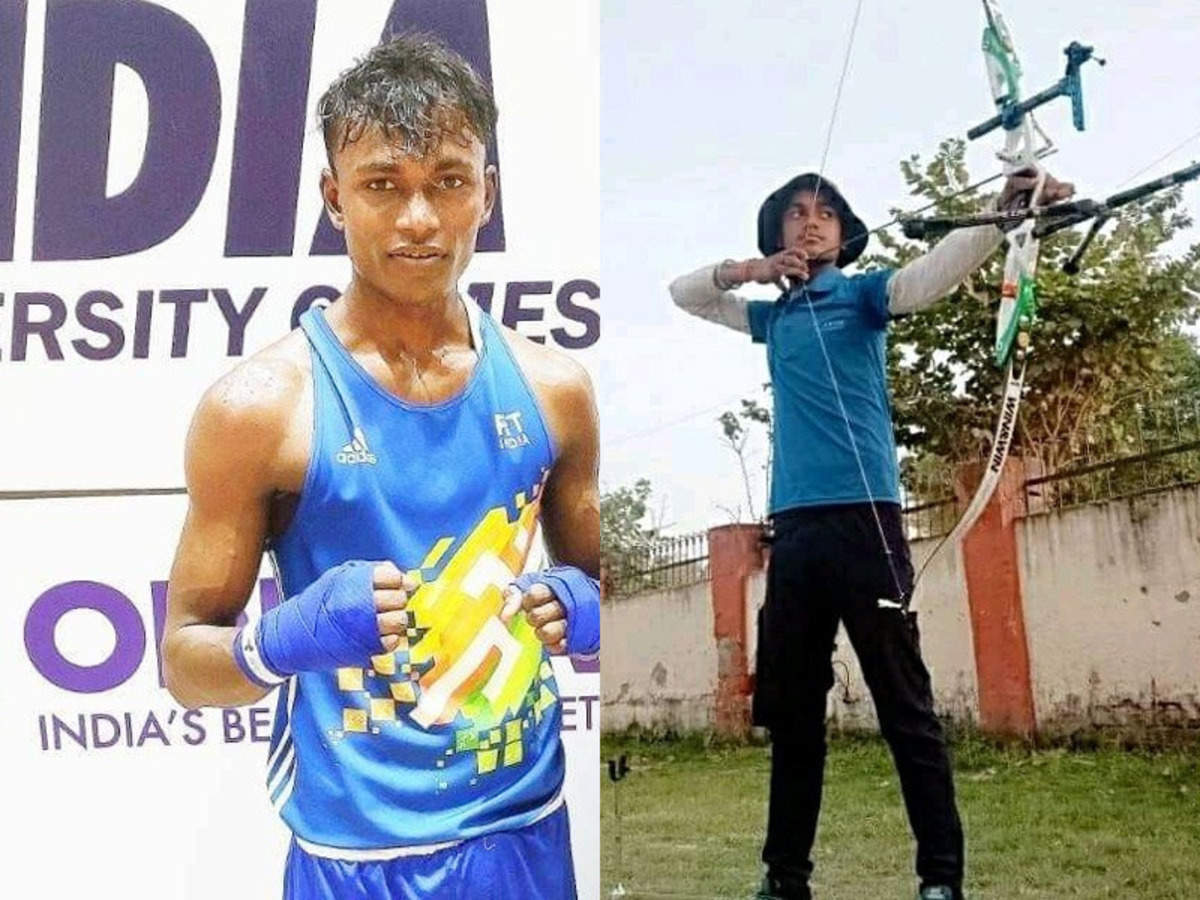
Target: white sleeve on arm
column 699, row 295
column 933, row 275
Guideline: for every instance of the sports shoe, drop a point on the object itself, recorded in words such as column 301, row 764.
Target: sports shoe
column 777, row 889
column 936, row 892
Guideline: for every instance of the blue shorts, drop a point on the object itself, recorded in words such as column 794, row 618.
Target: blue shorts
column 531, row 863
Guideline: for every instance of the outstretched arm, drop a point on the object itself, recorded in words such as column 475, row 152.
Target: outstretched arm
column 933, row 275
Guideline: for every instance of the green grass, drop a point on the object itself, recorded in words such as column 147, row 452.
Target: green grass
column 1039, row 824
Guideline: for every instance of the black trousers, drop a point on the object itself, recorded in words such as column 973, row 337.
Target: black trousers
column 828, row 565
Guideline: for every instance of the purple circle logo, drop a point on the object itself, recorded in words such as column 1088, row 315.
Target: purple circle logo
column 61, row 599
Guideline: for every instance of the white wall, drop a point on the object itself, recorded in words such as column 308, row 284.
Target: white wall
column 945, row 628
column 1112, row 614
column 660, row 660
column 1112, row 610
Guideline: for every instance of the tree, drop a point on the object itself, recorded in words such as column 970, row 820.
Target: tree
column 737, row 435
column 625, row 535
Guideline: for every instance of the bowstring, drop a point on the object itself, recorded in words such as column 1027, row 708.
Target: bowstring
column 1165, row 156
column 901, row 594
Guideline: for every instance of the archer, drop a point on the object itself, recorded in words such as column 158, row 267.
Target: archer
column 839, row 552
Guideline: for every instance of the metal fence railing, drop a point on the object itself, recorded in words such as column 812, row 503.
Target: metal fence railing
column 679, row 561
column 665, row 562
column 927, row 504
column 1115, row 479
column 1147, row 446
column 1141, row 445
column 931, row 519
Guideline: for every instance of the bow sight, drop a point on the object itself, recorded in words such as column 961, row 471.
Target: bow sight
column 1003, row 68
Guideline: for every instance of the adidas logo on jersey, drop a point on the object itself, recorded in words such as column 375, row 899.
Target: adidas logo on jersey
column 357, row 452
column 510, row 432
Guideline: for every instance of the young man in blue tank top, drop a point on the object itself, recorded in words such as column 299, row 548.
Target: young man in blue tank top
column 396, row 456
column 835, row 507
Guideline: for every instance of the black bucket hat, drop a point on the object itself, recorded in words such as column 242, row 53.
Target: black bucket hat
column 770, row 217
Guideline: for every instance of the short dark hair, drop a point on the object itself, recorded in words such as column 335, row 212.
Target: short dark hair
column 412, row 86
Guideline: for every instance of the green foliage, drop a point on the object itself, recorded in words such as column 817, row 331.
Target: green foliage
column 1112, row 373
column 1114, row 330
column 625, row 534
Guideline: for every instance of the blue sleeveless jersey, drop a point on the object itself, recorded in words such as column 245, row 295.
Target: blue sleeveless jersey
column 456, row 733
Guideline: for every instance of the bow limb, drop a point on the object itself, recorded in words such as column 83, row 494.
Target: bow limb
column 1018, row 304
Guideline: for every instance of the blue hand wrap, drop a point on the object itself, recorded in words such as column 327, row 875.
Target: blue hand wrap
column 329, row 624
column 579, row 595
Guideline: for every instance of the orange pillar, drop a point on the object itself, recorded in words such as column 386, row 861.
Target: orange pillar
column 735, row 552
column 997, row 613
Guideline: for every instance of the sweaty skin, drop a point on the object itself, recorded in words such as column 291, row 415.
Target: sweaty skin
column 410, row 225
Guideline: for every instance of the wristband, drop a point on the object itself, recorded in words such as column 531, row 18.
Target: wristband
column 717, row 276
column 248, row 659
column 330, row 624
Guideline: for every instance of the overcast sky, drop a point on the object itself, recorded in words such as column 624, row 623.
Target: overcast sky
column 707, row 106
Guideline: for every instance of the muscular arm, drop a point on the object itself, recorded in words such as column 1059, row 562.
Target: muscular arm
column 230, row 461
column 571, row 506
column 570, row 511
column 563, row 604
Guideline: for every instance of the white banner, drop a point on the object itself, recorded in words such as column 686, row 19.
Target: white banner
column 142, row 260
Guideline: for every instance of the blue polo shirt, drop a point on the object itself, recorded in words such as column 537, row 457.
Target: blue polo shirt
column 814, row 462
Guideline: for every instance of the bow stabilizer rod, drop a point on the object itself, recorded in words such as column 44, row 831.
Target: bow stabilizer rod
column 1052, row 218
column 937, row 226
column 1109, row 207
column 1105, row 209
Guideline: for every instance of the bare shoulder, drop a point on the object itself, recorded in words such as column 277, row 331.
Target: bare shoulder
column 548, row 368
column 261, row 390
column 248, row 417
column 562, row 385
column 570, row 511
